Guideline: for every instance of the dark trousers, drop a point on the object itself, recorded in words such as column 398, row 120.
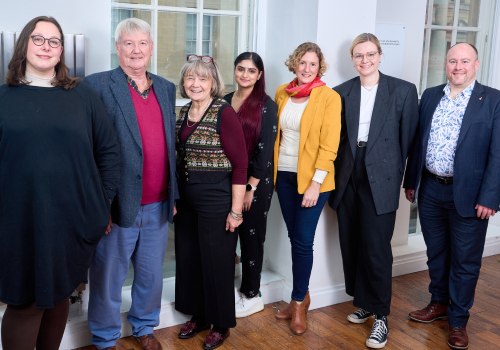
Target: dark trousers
column 365, row 243
column 454, row 249
column 252, row 233
column 204, row 251
column 301, row 225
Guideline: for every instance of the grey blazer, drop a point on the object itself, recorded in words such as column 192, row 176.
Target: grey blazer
column 392, row 131
column 112, row 87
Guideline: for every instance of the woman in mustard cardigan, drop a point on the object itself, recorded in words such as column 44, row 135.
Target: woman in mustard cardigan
column 306, row 146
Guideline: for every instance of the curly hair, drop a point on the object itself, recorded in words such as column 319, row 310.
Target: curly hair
column 294, row 59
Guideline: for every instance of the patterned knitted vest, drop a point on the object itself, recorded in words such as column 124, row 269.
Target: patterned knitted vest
column 201, row 158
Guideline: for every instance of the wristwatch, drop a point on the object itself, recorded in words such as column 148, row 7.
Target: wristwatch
column 251, row 188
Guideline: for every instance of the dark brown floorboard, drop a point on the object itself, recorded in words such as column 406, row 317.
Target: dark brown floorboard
column 328, row 327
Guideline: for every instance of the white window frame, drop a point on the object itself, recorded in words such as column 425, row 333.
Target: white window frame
column 242, row 14
column 484, row 34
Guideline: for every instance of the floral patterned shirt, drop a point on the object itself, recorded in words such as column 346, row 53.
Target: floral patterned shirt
column 445, row 130
column 145, row 93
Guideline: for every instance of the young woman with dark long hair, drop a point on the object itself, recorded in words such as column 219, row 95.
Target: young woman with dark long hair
column 258, row 116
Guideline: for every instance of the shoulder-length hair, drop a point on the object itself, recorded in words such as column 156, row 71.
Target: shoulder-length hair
column 17, row 65
column 293, row 60
column 251, row 109
column 363, row 38
column 208, row 71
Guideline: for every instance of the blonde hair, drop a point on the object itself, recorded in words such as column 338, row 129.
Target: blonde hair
column 363, row 38
column 293, row 60
column 209, row 71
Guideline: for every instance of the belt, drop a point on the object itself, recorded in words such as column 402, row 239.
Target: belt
column 440, row 179
column 362, row 143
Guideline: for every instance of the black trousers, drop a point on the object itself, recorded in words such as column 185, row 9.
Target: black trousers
column 204, row 250
column 253, row 235
column 365, row 243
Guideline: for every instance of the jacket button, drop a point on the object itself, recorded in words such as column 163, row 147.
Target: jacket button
column 386, row 140
column 140, row 153
column 384, row 160
column 187, row 179
column 186, row 173
column 185, row 158
column 139, row 176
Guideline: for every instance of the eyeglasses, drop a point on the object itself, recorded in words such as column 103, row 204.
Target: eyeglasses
column 204, row 59
column 369, row 56
column 39, row 40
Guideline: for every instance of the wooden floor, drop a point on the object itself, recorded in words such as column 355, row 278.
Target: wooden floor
column 328, row 327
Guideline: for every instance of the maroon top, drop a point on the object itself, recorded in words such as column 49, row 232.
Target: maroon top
column 233, row 143
column 154, row 147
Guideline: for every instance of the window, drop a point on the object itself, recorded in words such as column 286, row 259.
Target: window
column 448, row 22
column 217, row 28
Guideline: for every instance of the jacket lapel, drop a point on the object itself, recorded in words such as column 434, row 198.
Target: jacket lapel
column 307, row 118
column 352, row 106
column 428, row 113
column 121, row 92
column 380, row 111
column 475, row 102
column 162, row 97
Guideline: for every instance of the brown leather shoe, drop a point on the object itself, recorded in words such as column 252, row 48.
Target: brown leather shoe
column 457, row 338
column 298, row 324
column 149, row 342
column 190, row 329
column 432, row 312
column 287, row 313
column 215, row 339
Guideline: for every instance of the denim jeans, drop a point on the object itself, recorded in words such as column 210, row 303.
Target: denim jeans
column 301, row 225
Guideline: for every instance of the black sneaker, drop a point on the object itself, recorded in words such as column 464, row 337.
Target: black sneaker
column 360, row 316
column 380, row 331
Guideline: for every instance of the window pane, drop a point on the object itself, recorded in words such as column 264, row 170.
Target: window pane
column 469, row 13
column 118, row 15
column 443, row 12
column 138, row 2
column 173, row 44
column 466, row 37
column 178, row 3
column 224, row 47
column 228, row 5
column 439, row 45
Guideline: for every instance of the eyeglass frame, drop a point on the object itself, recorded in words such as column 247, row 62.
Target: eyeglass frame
column 46, row 39
column 211, row 60
column 365, row 55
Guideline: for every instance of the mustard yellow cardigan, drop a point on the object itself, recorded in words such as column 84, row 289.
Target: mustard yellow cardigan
column 319, row 136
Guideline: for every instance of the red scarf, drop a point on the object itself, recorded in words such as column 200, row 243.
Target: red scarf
column 303, row 90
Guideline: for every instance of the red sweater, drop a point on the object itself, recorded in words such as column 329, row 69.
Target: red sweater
column 154, row 147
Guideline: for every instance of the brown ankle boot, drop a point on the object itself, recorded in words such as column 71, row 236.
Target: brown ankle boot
column 286, row 314
column 298, row 324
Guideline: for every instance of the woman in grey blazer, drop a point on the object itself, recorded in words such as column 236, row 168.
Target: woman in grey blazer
column 379, row 120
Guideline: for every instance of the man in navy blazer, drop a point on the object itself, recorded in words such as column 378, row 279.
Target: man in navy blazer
column 142, row 108
column 455, row 170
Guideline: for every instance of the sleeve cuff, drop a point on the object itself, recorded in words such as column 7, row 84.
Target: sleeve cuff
column 319, row 175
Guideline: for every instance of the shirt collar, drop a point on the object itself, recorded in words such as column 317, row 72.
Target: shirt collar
column 465, row 93
column 144, row 94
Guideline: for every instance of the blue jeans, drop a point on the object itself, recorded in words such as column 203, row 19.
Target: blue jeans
column 144, row 243
column 301, row 225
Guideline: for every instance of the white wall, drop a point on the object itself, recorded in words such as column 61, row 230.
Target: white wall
column 411, row 13
column 91, row 18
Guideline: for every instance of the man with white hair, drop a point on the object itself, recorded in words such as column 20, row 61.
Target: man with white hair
column 142, row 108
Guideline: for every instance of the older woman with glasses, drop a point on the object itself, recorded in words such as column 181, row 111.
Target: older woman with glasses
column 379, row 120
column 59, row 169
column 212, row 166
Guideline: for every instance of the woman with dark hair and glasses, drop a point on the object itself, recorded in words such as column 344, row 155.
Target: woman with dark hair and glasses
column 59, row 169
column 258, row 117
column 212, row 166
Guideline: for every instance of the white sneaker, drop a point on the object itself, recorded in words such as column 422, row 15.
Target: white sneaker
column 248, row 306
column 238, row 270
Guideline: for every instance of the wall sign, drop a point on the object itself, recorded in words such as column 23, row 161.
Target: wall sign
column 392, row 40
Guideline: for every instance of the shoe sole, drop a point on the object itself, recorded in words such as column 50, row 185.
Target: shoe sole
column 458, row 347
column 376, row 346
column 430, row 321
column 194, row 335
column 254, row 309
column 215, row 347
column 358, row 320
column 298, row 333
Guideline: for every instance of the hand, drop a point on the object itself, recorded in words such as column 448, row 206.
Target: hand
column 108, row 230
column 311, row 195
column 484, row 212
column 247, row 200
column 410, row 195
column 232, row 223
column 175, row 209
